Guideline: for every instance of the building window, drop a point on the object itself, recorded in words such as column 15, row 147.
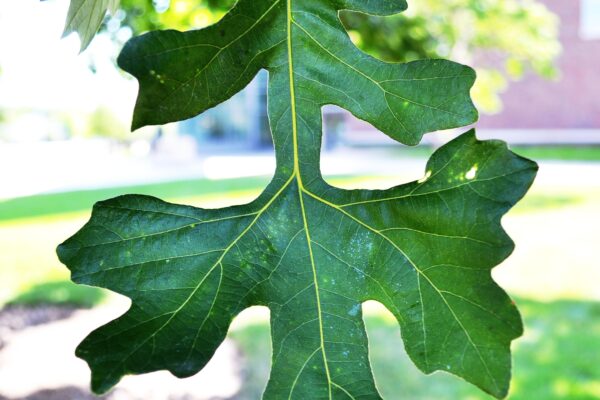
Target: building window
column 589, row 27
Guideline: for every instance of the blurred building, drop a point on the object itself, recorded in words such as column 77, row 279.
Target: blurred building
column 565, row 110
column 536, row 110
column 242, row 122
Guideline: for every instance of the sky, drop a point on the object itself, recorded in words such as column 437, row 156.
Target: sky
column 42, row 71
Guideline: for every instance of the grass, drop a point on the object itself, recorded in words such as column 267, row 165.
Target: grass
column 557, row 358
column 60, row 292
column 566, row 153
column 57, row 203
column 536, row 201
column 44, row 205
column 534, row 152
column 67, row 202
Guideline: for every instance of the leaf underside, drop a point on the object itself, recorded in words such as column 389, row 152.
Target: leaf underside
column 85, row 18
column 310, row 252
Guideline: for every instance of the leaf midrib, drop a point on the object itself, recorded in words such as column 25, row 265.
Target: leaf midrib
column 297, row 173
column 302, row 190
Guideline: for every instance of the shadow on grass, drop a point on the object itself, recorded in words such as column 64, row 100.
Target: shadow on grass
column 77, row 393
column 64, row 293
column 557, row 358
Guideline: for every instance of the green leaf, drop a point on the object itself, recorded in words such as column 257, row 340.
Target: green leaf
column 310, row 252
column 85, row 18
column 305, row 47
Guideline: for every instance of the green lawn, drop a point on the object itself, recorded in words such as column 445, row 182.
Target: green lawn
column 566, row 153
column 535, row 152
column 555, row 260
column 557, row 358
column 59, row 292
column 80, row 200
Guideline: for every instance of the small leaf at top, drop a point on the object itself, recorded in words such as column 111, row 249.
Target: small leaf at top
column 85, row 18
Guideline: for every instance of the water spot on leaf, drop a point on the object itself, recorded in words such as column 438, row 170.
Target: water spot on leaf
column 470, row 175
column 354, row 310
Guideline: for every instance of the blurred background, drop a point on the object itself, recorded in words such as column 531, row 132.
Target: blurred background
column 65, row 144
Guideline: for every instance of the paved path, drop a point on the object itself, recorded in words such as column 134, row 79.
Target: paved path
column 39, row 363
column 64, row 166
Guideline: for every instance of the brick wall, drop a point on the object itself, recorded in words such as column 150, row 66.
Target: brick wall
column 571, row 102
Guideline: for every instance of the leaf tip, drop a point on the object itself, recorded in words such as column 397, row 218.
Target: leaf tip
column 67, row 250
column 66, row 32
column 137, row 123
column 101, row 381
column 100, row 386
